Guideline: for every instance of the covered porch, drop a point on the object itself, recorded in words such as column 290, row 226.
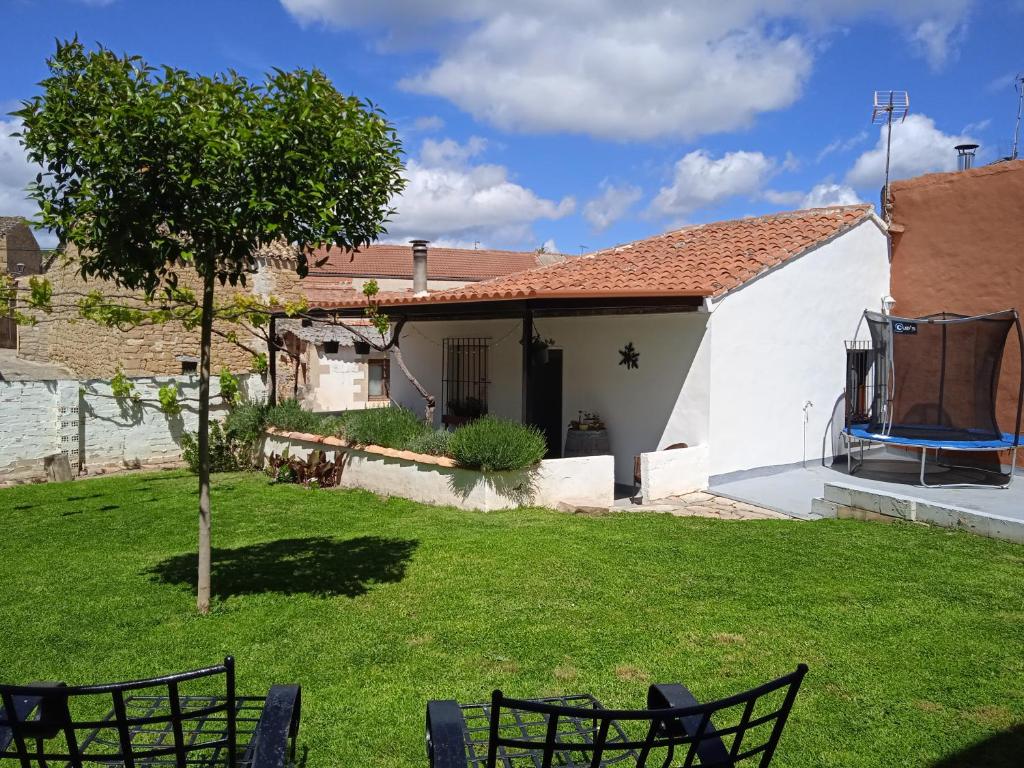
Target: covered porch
column 638, row 363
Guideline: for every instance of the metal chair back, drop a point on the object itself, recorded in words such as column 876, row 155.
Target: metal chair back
column 158, row 721
column 741, row 730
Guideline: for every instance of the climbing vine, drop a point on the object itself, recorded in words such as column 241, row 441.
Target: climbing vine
column 168, row 396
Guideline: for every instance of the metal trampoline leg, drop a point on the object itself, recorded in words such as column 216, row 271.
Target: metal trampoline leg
column 1013, row 467
column 924, row 456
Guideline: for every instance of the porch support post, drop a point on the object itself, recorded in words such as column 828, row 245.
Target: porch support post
column 272, row 361
column 527, row 342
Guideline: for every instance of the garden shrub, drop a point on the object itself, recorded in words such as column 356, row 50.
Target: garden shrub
column 493, row 445
column 244, row 427
column 390, row 427
column 436, row 442
column 223, row 456
column 288, row 415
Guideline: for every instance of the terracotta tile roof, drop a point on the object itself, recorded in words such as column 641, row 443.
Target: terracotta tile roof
column 701, row 260
column 385, row 260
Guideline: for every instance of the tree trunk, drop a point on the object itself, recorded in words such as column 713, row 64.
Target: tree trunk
column 396, row 352
column 206, row 325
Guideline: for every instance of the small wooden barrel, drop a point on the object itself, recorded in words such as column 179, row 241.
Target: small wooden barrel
column 589, row 442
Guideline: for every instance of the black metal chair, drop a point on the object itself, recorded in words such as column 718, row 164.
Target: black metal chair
column 188, row 719
column 576, row 731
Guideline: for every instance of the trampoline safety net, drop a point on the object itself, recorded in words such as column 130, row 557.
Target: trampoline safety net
column 929, row 378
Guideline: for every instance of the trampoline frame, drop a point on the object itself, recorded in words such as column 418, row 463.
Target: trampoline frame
column 957, row 445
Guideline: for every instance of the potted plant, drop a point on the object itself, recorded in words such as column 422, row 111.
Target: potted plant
column 463, row 410
column 539, row 348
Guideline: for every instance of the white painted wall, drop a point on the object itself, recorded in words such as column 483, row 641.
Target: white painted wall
column 673, row 473
column 662, row 402
column 338, row 380
column 421, row 349
column 40, row 418
column 778, row 343
column 581, row 482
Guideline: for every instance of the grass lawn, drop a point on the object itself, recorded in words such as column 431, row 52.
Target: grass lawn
column 914, row 635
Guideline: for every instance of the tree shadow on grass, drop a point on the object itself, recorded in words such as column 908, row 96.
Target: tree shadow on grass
column 315, row 565
column 1003, row 750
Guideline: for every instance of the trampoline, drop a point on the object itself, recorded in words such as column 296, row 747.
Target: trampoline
column 931, row 383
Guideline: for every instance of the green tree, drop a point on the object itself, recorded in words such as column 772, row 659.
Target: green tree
column 153, row 172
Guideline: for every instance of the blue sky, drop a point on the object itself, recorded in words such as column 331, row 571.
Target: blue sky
column 589, row 122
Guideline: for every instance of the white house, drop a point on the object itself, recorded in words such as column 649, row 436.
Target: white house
column 726, row 337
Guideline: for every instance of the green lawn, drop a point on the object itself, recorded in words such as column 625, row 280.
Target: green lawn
column 914, row 635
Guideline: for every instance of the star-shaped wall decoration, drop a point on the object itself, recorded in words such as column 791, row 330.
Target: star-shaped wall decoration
column 630, row 357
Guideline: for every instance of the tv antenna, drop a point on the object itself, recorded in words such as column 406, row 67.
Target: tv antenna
column 1018, row 84
column 889, row 106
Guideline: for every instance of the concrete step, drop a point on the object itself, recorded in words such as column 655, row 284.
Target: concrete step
column 863, row 503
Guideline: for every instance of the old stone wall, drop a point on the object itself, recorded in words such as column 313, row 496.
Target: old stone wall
column 92, row 350
column 94, row 429
column 19, row 246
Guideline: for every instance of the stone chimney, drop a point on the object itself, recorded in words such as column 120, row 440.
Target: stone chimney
column 419, row 267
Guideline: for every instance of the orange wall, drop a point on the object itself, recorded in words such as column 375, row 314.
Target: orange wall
column 961, row 249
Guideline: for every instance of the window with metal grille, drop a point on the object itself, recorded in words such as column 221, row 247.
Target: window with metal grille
column 464, row 378
column 379, row 387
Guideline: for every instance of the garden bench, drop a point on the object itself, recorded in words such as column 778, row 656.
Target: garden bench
column 577, row 730
column 190, row 719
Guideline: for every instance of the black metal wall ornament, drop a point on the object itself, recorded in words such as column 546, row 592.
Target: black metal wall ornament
column 630, row 357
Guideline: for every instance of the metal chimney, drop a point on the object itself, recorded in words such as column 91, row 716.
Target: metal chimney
column 419, row 267
column 965, row 155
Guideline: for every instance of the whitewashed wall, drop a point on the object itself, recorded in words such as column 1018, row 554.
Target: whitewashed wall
column 338, row 380
column 778, row 344
column 40, row 418
column 584, row 481
column 421, row 350
column 660, row 403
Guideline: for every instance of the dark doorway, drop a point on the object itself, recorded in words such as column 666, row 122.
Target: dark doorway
column 546, row 399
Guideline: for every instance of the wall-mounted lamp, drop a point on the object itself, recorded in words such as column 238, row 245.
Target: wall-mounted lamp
column 888, row 302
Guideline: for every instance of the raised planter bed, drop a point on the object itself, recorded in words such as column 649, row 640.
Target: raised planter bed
column 577, row 482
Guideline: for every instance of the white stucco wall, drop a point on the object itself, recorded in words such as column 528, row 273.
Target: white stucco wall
column 338, row 380
column 662, row 402
column 778, row 344
column 673, row 473
column 40, row 418
column 421, row 349
column 580, row 482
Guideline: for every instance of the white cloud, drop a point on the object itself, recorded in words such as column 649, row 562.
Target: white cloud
column 827, row 194
column 917, row 147
column 611, row 205
column 428, row 123
column 15, row 173
column 842, row 145
column 627, row 70
column 699, row 180
column 449, row 198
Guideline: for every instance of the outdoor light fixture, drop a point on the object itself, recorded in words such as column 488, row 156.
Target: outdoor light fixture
column 888, row 302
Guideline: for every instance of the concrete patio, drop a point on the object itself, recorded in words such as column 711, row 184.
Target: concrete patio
column 886, row 485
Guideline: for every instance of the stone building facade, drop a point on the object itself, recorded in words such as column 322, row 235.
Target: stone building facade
column 20, row 254
column 91, row 350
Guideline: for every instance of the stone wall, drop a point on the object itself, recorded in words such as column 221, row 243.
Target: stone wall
column 96, row 430
column 19, row 246
column 92, row 350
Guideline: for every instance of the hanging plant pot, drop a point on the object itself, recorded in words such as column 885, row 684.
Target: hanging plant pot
column 362, row 347
column 541, row 355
